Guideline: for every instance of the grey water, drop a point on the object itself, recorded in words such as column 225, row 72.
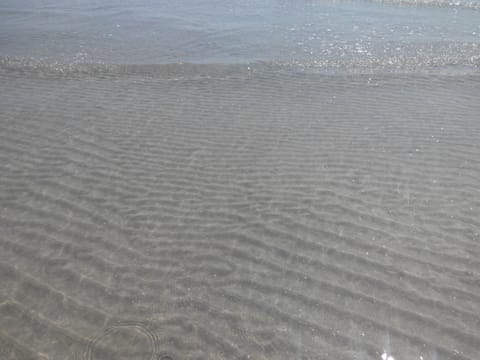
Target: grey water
column 401, row 34
column 172, row 200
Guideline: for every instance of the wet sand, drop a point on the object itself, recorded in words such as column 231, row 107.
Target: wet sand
column 242, row 215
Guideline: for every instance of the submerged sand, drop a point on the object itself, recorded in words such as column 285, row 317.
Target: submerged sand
column 253, row 215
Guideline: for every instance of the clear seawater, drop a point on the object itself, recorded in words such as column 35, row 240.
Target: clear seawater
column 173, row 200
column 320, row 34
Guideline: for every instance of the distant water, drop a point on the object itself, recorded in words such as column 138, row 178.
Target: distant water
column 388, row 35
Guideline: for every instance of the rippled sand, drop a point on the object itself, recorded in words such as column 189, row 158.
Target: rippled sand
column 236, row 215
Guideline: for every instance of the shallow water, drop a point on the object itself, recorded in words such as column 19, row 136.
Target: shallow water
column 239, row 180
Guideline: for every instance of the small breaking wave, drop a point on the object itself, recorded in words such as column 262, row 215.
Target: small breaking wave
column 463, row 4
column 451, row 59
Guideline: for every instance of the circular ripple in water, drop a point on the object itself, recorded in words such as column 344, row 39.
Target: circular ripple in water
column 123, row 342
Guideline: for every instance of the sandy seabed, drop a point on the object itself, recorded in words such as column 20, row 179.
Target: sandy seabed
column 252, row 215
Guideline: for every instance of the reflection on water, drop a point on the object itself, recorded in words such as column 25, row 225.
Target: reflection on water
column 239, row 180
column 312, row 33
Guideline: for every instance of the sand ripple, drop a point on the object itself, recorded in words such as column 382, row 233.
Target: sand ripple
column 239, row 215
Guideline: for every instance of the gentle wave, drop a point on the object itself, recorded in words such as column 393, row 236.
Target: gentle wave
column 461, row 60
column 465, row 4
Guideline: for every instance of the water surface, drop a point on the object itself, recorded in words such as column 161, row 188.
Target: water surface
column 239, row 180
